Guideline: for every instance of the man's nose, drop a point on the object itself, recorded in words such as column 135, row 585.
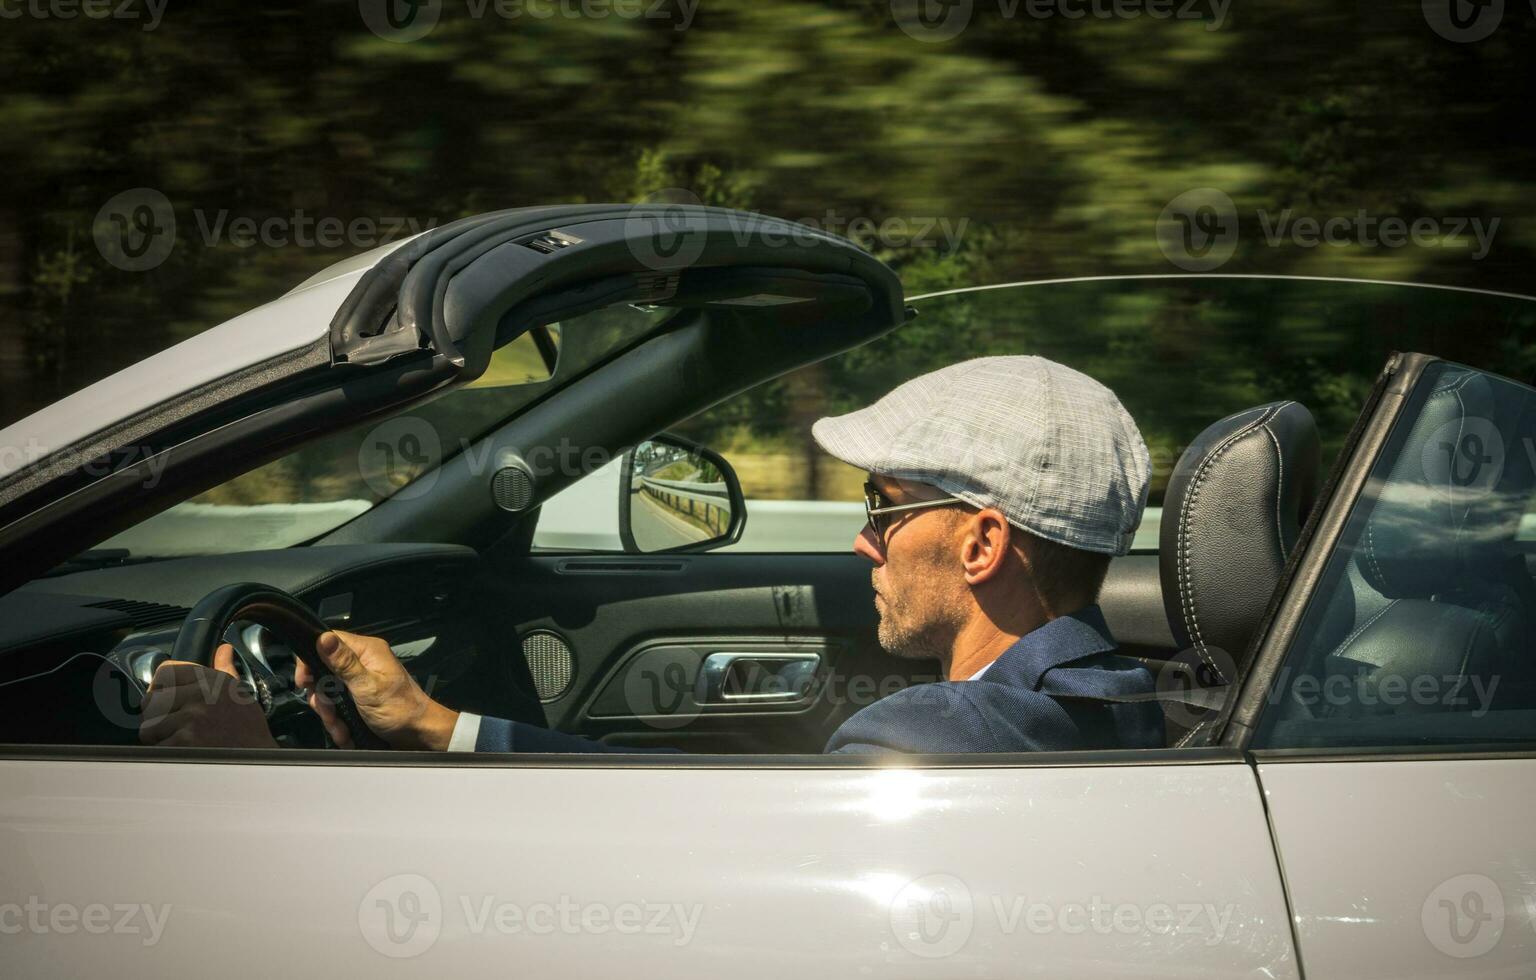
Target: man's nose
column 867, row 545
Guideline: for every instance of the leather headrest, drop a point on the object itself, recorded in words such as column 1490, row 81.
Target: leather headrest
column 1234, row 507
column 1448, row 505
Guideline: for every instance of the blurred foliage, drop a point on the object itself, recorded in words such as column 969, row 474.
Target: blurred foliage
column 1046, row 147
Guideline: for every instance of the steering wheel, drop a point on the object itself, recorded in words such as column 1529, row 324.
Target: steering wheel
column 291, row 620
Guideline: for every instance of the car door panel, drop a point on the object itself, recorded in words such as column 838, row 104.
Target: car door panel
column 640, row 629
column 836, row 870
column 1408, row 869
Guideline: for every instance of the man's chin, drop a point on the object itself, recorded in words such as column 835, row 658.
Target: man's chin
column 898, row 645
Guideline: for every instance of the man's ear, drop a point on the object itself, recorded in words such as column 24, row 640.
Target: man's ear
column 985, row 542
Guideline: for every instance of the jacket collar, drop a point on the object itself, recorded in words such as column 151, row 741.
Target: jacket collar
column 1061, row 641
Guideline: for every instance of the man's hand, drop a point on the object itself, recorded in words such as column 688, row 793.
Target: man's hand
column 387, row 696
column 189, row 704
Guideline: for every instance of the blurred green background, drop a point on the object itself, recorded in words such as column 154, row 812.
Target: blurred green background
column 1038, row 148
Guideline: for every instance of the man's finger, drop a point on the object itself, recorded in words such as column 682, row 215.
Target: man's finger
column 173, row 673
column 176, row 684
column 334, row 726
column 153, row 731
column 224, row 660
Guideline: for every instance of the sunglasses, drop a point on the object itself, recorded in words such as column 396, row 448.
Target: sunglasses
column 877, row 509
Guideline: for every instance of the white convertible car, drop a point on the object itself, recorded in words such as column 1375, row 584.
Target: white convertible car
column 399, row 446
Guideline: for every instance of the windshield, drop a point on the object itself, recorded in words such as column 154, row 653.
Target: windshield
column 332, row 480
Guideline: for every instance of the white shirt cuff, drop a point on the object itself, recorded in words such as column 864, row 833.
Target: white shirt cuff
column 465, row 733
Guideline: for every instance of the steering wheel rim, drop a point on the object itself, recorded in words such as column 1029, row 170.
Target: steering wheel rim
column 209, row 621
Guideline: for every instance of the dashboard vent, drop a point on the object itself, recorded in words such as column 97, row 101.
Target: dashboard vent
column 145, row 615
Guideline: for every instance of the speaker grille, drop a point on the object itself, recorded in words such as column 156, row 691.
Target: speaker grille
column 512, row 489
column 550, row 663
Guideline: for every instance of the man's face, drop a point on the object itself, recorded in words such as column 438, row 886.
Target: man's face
column 920, row 592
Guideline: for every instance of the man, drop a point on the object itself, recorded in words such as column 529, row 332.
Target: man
column 999, row 488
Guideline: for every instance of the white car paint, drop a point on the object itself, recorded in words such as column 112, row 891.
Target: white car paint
column 458, row 870
column 1402, row 870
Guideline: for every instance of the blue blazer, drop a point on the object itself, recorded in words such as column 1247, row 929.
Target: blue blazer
column 1041, row 695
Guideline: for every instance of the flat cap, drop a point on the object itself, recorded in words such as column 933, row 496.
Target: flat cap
column 1050, row 447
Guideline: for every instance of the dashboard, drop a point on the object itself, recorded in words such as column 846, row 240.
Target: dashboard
column 76, row 649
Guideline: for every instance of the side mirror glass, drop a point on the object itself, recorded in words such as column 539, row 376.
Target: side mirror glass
column 677, row 496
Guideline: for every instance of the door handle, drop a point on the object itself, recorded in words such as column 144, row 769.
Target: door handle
column 756, row 678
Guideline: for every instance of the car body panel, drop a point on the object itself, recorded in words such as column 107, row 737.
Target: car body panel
column 826, row 872
column 1405, row 869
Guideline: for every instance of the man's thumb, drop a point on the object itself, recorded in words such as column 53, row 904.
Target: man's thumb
column 338, row 656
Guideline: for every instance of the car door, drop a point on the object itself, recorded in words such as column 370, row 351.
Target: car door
column 1394, row 707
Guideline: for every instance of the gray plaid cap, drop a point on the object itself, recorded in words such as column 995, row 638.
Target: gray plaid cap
column 1050, row 447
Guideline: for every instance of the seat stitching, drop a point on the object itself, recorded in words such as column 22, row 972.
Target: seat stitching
column 1370, row 550
column 1186, row 595
column 1279, row 492
column 1338, row 651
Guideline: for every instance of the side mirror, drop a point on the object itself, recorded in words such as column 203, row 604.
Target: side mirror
column 675, row 495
